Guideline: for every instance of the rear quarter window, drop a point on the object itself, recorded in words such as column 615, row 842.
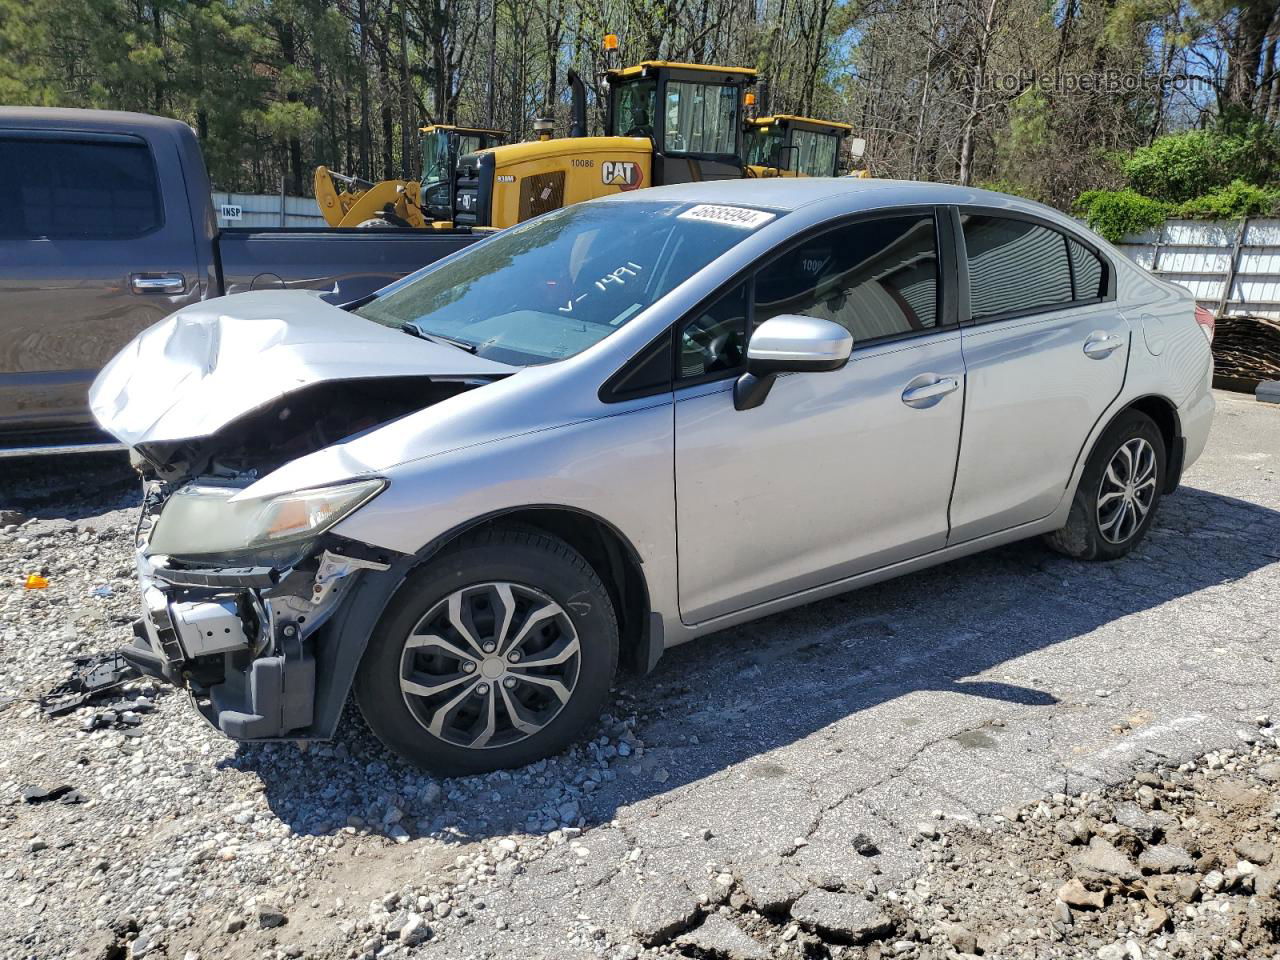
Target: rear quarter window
column 69, row 189
column 1087, row 272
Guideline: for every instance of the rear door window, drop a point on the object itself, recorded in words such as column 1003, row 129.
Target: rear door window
column 67, row 189
column 1015, row 266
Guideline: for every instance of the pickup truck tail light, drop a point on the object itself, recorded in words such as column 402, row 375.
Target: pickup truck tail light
column 1207, row 321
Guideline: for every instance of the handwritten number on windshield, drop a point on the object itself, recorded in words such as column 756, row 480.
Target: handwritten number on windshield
column 618, row 276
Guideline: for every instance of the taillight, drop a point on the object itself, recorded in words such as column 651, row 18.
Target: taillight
column 1207, row 320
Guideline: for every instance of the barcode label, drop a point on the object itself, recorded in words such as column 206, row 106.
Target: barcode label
column 743, row 217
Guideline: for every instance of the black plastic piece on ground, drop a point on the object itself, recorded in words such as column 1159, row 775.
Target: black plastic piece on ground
column 34, row 794
column 91, row 677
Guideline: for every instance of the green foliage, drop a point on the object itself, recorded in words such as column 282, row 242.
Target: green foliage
column 1117, row 213
column 1183, row 166
column 1237, row 199
column 25, row 29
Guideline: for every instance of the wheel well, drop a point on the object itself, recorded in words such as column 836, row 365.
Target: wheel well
column 614, row 560
column 1165, row 415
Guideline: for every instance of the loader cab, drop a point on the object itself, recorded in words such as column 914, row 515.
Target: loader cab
column 442, row 144
column 788, row 146
column 693, row 115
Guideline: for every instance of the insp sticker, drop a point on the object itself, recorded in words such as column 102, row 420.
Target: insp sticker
column 743, row 217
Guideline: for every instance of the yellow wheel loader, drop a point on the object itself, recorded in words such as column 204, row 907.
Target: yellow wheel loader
column 428, row 202
column 789, row 146
column 665, row 123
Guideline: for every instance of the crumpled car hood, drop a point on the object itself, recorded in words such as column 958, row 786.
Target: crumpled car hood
column 211, row 363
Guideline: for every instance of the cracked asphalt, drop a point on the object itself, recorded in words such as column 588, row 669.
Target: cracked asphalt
column 766, row 755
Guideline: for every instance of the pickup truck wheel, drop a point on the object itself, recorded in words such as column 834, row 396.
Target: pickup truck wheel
column 497, row 653
column 1119, row 491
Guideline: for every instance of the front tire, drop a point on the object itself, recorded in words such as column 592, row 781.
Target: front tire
column 497, row 653
column 1119, row 491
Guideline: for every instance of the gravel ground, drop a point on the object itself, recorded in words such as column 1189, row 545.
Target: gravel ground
column 941, row 762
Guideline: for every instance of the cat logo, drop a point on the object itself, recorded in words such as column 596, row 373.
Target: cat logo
column 621, row 173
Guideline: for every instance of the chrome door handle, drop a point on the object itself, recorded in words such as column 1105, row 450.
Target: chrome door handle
column 1102, row 345
column 159, row 283
column 923, row 395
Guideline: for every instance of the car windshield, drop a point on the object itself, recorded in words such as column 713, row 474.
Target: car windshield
column 549, row 288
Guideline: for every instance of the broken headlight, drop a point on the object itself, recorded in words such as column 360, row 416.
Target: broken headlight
column 205, row 518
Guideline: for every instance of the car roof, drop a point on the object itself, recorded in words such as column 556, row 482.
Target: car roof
column 841, row 194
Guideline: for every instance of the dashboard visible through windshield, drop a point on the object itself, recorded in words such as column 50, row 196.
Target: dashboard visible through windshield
column 549, row 288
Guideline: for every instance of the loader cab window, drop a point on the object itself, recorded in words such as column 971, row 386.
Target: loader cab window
column 815, row 152
column 765, row 147
column 635, row 107
column 700, row 118
column 435, row 157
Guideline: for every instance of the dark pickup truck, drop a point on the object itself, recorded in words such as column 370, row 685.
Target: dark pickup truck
column 108, row 226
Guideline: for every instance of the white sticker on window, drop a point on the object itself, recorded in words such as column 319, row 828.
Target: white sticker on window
column 743, row 217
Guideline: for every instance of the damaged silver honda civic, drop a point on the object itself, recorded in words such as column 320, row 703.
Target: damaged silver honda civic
column 622, row 425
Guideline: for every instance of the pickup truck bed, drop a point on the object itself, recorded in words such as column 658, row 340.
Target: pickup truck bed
column 283, row 258
column 107, row 227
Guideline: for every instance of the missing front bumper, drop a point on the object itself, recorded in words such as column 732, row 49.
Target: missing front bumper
column 244, row 641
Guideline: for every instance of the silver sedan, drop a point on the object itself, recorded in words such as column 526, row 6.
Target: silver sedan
column 621, row 426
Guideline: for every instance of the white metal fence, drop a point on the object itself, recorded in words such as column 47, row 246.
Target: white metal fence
column 265, row 210
column 1231, row 266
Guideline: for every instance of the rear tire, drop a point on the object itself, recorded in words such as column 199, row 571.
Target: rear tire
column 497, row 653
column 1119, row 491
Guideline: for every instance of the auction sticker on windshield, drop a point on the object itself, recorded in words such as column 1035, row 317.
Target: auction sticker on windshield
column 733, row 216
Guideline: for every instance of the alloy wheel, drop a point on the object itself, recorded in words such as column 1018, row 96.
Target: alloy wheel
column 489, row 665
column 1127, row 490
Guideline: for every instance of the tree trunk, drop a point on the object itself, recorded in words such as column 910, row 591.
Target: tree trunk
column 1245, row 53
column 965, row 175
column 490, row 113
column 387, row 116
column 407, row 167
column 366, row 145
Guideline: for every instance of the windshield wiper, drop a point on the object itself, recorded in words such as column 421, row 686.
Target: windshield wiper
column 412, row 328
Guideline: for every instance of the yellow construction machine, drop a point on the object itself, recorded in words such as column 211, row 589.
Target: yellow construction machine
column 665, row 123
column 787, row 146
column 427, row 202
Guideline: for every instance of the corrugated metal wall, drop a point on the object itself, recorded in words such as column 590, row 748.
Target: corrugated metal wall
column 1231, row 266
column 263, row 210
